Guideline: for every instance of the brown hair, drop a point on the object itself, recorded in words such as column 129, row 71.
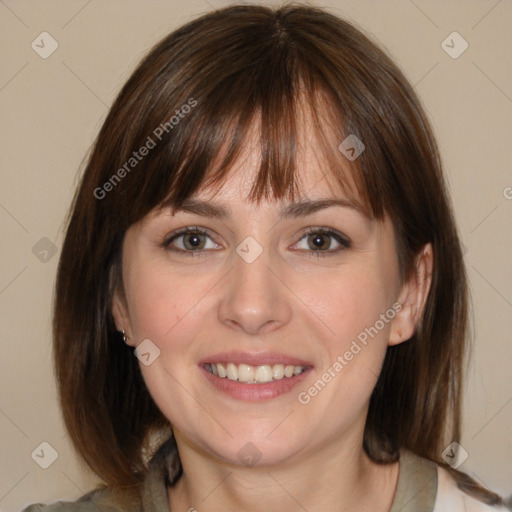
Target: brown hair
column 230, row 67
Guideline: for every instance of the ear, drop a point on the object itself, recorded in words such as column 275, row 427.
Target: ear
column 121, row 316
column 413, row 297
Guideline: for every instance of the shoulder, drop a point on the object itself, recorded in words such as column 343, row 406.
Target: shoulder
column 449, row 497
column 100, row 499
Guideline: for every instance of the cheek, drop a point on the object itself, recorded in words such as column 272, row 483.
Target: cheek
column 357, row 307
column 353, row 307
column 351, row 302
column 166, row 306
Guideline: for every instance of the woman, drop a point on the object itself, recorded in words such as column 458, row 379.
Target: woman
column 264, row 222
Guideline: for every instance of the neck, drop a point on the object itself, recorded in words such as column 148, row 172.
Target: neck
column 338, row 476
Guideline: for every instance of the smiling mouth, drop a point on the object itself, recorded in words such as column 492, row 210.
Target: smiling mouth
column 254, row 374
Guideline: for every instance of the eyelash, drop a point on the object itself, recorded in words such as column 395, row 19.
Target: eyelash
column 344, row 242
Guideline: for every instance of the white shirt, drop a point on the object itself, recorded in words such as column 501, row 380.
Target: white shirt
column 450, row 498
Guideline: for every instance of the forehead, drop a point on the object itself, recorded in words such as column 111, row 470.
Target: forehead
column 318, row 189
column 258, row 162
column 315, row 175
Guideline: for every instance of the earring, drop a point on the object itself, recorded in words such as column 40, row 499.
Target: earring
column 125, row 338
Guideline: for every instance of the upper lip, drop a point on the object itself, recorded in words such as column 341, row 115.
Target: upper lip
column 254, row 358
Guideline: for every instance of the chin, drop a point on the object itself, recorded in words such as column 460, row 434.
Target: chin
column 254, row 450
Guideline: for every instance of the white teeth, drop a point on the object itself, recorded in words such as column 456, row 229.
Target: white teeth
column 232, row 371
column 221, row 370
column 263, row 373
column 278, row 371
column 254, row 374
column 245, row 372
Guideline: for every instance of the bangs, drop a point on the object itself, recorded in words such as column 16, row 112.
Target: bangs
column 262, row 90
column 285, row 127
column 282, row 125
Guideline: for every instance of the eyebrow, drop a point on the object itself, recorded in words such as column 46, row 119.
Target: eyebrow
column 298, row 209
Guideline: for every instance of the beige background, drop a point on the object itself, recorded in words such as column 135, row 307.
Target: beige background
column 52, row 108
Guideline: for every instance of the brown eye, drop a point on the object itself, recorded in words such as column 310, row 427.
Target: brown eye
column 323, row 242
column 193, row 241
column 319, row 241
column 189, row 240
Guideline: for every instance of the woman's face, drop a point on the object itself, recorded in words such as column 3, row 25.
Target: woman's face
column 254, row 295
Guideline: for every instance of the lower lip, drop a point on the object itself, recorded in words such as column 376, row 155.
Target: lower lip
column 255, row 392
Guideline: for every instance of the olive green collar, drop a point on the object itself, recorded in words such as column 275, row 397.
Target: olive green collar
column 417, row 484
column 416, row 489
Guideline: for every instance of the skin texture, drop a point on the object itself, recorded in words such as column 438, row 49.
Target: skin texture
column 286, row 301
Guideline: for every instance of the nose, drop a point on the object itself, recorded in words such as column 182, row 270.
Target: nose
column 254, row 299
